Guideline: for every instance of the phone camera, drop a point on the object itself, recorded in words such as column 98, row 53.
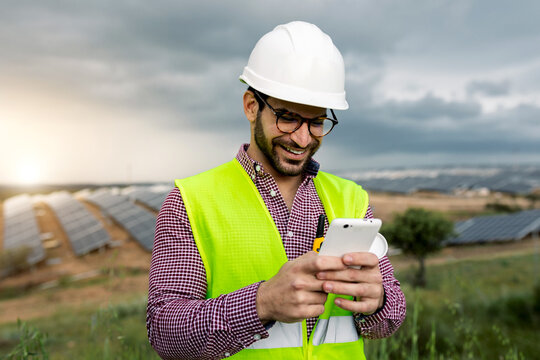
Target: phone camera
column 346, row 226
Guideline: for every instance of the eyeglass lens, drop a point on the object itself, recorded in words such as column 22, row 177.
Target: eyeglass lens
column 288, row 122
column 317, row 127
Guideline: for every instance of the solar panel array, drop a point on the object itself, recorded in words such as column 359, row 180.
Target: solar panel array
column 83, row 230
column 497, row 228
column 21, row 228
column 152, row 199
column 139, row 222
column 515, row 181
column 402, row 186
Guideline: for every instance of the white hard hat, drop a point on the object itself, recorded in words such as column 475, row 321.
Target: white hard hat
column 297, row 62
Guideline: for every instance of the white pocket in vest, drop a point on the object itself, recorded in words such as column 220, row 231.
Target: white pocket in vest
column 281, row 335
column 336, row 329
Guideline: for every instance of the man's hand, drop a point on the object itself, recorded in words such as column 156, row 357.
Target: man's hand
column 295, row 293
column 365, row 284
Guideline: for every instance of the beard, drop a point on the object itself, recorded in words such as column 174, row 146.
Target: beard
column 286, row 167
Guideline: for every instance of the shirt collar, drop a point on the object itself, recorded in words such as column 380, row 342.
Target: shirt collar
column 254, row 168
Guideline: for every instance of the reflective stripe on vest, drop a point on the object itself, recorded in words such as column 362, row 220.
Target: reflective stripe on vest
column 336, row 329
column 281, row 335
column 240, row 245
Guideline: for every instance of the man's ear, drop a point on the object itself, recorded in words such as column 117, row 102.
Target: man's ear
column 251, row 106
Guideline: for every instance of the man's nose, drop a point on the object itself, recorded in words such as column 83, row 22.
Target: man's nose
column 301, row 136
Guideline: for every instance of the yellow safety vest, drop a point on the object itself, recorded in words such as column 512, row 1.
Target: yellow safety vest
column 240, row 244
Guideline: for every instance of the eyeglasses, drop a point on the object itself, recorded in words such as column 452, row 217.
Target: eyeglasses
column 288, row 122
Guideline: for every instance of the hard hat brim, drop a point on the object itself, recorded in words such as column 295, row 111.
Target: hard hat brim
column 286, row 92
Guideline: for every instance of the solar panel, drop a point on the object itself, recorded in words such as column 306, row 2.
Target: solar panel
column 21, row 228
column 402, row 186
column 83, row 230
column 152, row 199
column 497, row 228
column 139, row 222
column 445, row 183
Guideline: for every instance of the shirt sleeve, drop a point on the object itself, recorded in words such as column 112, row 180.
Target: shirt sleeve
column 385, row 321
column 181, row 322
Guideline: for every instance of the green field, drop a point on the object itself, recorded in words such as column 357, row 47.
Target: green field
column 482, row 309
column 474, row 309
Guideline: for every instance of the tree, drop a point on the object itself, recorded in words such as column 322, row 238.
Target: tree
column 533, row 198
column 418, row 232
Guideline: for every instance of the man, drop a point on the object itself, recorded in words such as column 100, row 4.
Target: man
column 232, row 269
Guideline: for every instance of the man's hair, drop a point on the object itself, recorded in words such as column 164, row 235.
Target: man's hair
column 259, row 101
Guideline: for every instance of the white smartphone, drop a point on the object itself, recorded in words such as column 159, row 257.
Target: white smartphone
column 350, row 235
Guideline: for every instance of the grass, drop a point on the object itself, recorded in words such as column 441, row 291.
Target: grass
column 488, row 309
column 115, row 332
column 482, row 309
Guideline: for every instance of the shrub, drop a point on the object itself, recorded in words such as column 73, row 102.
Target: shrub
column 32, row 344
column 13, row 260
column 536, row 298
column 502, row 208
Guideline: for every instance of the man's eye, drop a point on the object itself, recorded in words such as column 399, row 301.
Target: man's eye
column 289, row 118
column 317, row 122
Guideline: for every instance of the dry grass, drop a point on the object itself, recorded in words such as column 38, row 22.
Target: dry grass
column 457, row 207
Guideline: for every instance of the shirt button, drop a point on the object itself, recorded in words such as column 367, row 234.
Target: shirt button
column 290, row 234
column 227, row 354
column 257, row 337
column 257, row 168
column 272, row 193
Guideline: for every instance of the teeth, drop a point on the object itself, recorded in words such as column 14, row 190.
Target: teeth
column 297, row 152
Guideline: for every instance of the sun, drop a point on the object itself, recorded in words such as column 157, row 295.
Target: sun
column 28, row 172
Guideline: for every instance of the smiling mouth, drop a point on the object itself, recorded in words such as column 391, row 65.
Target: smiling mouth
column 296, row 152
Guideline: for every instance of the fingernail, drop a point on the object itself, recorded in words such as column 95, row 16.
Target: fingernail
column 338, row 301
column 321, row 275
column 347, row 259
column 328, row 287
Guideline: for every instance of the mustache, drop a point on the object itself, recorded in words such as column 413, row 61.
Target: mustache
column 291, row 144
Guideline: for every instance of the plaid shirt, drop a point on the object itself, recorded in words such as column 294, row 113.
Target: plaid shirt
column 182, row 323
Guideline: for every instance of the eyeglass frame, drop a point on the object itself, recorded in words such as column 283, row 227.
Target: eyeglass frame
column 278, row 114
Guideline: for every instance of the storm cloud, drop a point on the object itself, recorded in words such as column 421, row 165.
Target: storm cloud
column 427, row 82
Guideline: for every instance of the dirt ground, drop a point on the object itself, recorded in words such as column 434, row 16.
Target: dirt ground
column 459, row 207
column 63, row 263
column 46, row 302
column 44, row 289
column 120, row 272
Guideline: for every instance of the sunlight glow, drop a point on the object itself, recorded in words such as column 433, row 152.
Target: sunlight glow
column 28, row 172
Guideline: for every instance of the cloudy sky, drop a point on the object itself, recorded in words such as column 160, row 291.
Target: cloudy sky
column 116, row 91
